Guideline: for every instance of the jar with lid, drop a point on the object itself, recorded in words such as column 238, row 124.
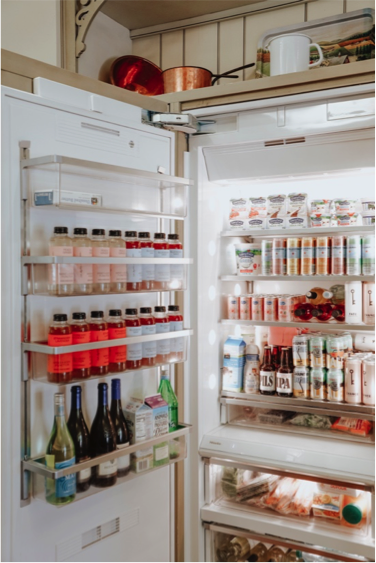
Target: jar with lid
column 134, row 271
column 118, row 272
column 59, row 366
column 116, row 329
column 133, row 328
column 147, row 251
column 149, row 349
column 176, row 270
column 163, row 327
column 101, row 272
column 162, row 271
column 60, row 276
column 83, row 273
column 99, row 333
column 80, row 335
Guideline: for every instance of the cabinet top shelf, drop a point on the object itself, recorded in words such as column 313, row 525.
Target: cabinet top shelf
column 317, row 231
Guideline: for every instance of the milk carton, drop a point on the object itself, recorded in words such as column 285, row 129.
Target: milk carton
column 160, row 428
column 139, row 419
column 233, row 364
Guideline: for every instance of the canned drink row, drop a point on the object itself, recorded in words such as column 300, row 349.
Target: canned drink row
column 263, row 307
column 319, row 351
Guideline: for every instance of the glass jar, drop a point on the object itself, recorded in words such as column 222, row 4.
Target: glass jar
column 60, row 276
column 162, row 271
column 176, row 270
column 80, row 335
column 118, row 272
column 133, row 328
column 99, row 333
column 59, row 366
column 148, row 270
column 116, row 329
column 163, row 327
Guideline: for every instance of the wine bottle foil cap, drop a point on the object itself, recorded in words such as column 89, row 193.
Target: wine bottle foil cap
column 159, row 309
column 160, row 235
column 173, row 307
column 131, row 311
column 144, row 235
column 132, row 234
column 78, row 316
column 61, row 230
column 79, row 231
column 115, row 233
column 115, row 312
column 102, row 386
column 60, row 317
column 96, row 314
column 98, row 232
column 173, row 237
column 115, row 383
column 59, row 399
column 145, row 310
column 76, row 390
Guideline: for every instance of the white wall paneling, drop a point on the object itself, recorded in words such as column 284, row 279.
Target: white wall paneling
column 172, row 49
column 201, row 46
column 324, row 9
column 231, row 47
column 149, row 48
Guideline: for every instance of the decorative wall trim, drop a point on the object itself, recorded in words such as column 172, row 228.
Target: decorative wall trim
column 84, row 17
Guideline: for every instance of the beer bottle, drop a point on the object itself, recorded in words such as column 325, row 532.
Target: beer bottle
column 284, row 375
column 267, row 374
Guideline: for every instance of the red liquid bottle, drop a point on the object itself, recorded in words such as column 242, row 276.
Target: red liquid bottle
column 176, row 270
column 148, row 270
column 303, row 311
column 338, row 313
column 163, row 327
column 81, row 335
column 148, row 327
column 134, row 351
column 162, row 271
column 59, row 367
column 323, row 313
column 176, row 324
column 98, row 333
column 134, row 271
column 116, row 329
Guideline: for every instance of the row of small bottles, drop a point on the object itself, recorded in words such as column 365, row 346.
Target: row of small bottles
column 83, row 279
column 82, row 365
column 239, row 549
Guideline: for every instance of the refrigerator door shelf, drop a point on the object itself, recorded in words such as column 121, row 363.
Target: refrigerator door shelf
column 313, row 326
column 318, row 231
column 330, row 279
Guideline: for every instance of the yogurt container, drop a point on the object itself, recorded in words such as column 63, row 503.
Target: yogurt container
column 320, row 206
column 248, row 259
column 345, row 206
column 347, row 220
column 368, row 218
column 368, row 205
column 321, row 220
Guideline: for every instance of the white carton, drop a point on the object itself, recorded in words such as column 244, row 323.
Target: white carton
column 139, row 419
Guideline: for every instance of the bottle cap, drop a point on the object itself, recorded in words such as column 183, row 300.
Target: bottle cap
column 115, row 389
column 79, row 231
column 114, row 312
column 115, row 233
column 160, row 235
column 144, row 235
column 61, row 230
column 316, row 312
column 76, row 390
column 98, row 232
column 173, row 237
column 173, row 307
column 78, row 316
column 60, row 317
column 96, row 314
column 164, row 374
column 159, row 309
column 352, row 514
column 336, row 313
column 253, row 557
column 132, row 234
column 131, row 311
column 59, row 399
column 311, row 294
column 145, row 310
column 102, row 387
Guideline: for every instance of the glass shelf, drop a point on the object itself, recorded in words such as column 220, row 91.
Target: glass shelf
column 313, row 326
column 331, row 278
column 317, row 231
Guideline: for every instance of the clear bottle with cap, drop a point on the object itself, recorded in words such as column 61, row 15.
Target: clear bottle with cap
column 99, row 333
column 59, row 366
column 148, row 270
column 176, row 324
column 83, row 273
column 101, row 272
column 176, row 270
column 162, row 271
column 81, row 335
column 60, row 276
column 163, row 327
column 235, row 549
column 167, row 393
column 148, row 327
column 116, row 329
column 134, row 271
column 118, row 272
column 133, row 328
column 258, row 553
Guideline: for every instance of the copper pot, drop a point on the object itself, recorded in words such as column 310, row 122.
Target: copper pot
column 182, row 78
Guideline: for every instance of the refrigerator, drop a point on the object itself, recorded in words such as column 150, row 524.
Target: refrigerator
column 80, row 160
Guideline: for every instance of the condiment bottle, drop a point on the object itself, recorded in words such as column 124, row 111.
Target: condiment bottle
column 116, row 329
column 267, row 374
column 163, row 326
column 59, row 366
column 83, row 273
column 81, row 335
column 176, row 324
column 134, row 271
column 134, row 351
column 98, row 333
column 284, row 375
column 149, row 349
column 101, row 272
column 147, row 251
column 60, row 276
column 118, row 272
column 162, row 271
column 176, row 270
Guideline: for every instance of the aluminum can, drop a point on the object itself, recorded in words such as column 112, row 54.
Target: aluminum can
column 368, row 255
column 270, row 308
column 338, row 255
column 308, row 265
column 279, row 246
column 348, row 340
column 353, row 380
column 301, row 382
column 364, row 342
column 368, row 303
column 232, row 307
column 317, row 348
column 335, row 352
column 266, row 257
column 335, row 385
column 245, row 307
column 368, row 381
column 293, row 256
column 300, row 350
column 257, row 309
column 354, row 255
column 323, row 252
column 318, row 383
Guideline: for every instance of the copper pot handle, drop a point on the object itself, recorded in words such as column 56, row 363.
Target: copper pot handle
column 228, row 73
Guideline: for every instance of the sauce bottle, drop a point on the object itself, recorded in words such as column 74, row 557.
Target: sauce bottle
column 80, row 335
column 147, row 251
column 163, row 326
column 60, row 276
column 162, row 271
column 149, row 349
column 267, row 374
column 176, row 270
column 176, row 344
column 134, row 271
column 118, row 272
column 83, row 273
column 116, row 329
column 98, row 333
column 134, row 351
column 101, row 272
column 284, row 375
column 59, row 367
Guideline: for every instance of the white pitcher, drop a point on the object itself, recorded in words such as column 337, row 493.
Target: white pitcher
column 291, row 53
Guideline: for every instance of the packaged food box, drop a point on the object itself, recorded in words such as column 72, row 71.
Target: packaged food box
column 296, row 221
column 276, row 204
column 257, row 207
column 276, row 221
column 139, row 419
column 327, row 505
column 142, row 460
column 297, row 203
column 256, row 222
column 238, row 213
column 159, row 409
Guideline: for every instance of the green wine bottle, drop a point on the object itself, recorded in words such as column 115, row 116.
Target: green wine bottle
column 59, row 455
column 167, row 392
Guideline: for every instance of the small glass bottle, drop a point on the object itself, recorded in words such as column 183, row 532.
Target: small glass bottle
column 176, row 270
column 99, row 333
column 134, row 271
column 148, row 270
column 133, row 328
column 101, row 272
column 118, row 272
column 81, row 335
column 284, row 375
column 149, row 349
column 162, row 271
column 60, row 276
column 267, row 374
column 59, row 366
column 83, row 273
column 163, row 326
column 176, row 324
column 116, row 329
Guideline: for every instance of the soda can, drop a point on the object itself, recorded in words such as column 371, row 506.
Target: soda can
column 257, row 309
column 368, row 315
column 354, row 255
column 270, row 308
column 300, row 350
column 353, row 380
column 279, row 246
column 338, row 255
column 317, row 348
column 368, row 381
column 266, row 257
column 348, row 340
column 293, row 256
column 308, row 265
column 335, row 385
column 323, row 248
column 318, row 383
column 232, row 307
column 335, row 352
column 245, row 307
column 368, row 255
column 301, row 382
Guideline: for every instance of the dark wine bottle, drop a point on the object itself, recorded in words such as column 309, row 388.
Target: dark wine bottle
column 121, row 429
column 80, row 435
column 103, row 441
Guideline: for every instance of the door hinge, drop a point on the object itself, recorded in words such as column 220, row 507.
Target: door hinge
column 185, row 123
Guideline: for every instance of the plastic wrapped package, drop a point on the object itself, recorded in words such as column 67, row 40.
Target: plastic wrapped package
column 234, row 479
column 273, row 416
column 285, row 490
column 353, row 426
column 301, row 503
column 311, row 420
column 259, row 486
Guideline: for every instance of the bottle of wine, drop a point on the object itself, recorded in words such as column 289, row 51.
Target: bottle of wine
column 167, row 392
column 121, row 429
column 103, row 441
column 80, row 435
column 59, row 455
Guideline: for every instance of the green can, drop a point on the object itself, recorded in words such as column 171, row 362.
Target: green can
column 318, row 383
column 266, row 257
column 317, row 347
column 368, row 255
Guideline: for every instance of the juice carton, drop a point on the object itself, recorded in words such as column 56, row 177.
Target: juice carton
column 233, row 364
column 160, row 428
column 139, row 419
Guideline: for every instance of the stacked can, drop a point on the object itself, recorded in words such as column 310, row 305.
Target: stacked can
column 308, row 262
column 266, row 257
column 300, row 357
column 245, row 307
column 279, row 247
column 271, row 308
column 338, row 261
column 354, row 255
column 323, row 262
column 368, row 255
column 293, row 256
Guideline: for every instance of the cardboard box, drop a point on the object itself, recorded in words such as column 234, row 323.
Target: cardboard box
column 139, row 419
column 160, row 428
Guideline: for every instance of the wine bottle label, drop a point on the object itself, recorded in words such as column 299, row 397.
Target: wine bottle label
column 60, row 364
column 161, row 452
column 84, row 475
column 65, row 486
column 123, row 462
column 284, row 382
column 149, row 349
column 107, row 468
column 162, row 272
column 267, row 380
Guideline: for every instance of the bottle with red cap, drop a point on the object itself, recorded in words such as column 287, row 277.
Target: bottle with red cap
column 163, row 327
column 148, row 327
column 162, row 271
column 176, row 270
column 176, row 324
column 134, row 271
column 148, row 270
column 133, row 328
